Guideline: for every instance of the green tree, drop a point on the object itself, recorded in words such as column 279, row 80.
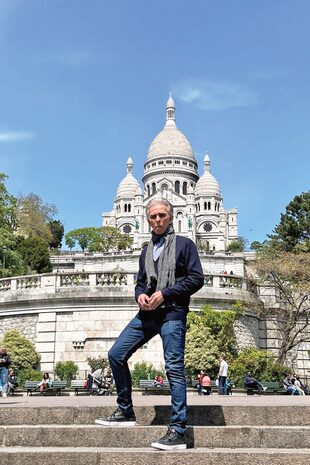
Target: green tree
column 97, row 363
column 98, row 239
column 82, row 237
column 66, row 371
column 21, row 350
column 201, row 351
column 8, row 206
column 293, row 231
column 57, row 230
column 237, row 245
column 142, row 370
column 289, row 274
column 35, row 254
column 263, row 367
column 209, row 334
column 34, row 217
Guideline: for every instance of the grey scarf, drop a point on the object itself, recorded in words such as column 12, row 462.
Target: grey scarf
column 166, row 262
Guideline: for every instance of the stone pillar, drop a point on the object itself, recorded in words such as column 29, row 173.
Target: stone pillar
column 45, row 344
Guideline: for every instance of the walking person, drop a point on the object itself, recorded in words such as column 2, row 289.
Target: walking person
column 223, row 372
column 169, row 273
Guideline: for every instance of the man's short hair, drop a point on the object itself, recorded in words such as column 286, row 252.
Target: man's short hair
column 159, row 202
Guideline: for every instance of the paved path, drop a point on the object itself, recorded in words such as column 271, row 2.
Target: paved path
column 193, row 399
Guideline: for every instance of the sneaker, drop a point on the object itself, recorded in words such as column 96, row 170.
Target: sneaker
column 4, row 394
column 171, row 441
column 118, row 418
column 264, row 387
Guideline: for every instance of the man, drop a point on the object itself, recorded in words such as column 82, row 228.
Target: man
column 169, row 273
column 251, row 383
column 222, row 376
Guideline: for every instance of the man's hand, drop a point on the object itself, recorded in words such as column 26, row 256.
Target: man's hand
column 143, row 301
column 155, row 300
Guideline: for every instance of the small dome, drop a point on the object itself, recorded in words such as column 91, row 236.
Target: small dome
column 207, row 185
column 170, row 141
column 129, row 186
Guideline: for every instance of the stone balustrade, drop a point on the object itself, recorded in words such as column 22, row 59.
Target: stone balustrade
column 110, row 279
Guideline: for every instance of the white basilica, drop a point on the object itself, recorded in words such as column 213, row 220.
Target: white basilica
column 171, row 172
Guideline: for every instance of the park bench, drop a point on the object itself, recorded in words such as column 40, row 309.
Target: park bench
column 78, row 385
column 273, row 387
column 149, row 386
column 32, row 386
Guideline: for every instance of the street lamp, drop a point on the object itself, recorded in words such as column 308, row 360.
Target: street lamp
column 4, row 249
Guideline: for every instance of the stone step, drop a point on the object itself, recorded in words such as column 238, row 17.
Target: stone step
column 148, row 456
column 198, row 415
column 142, row 436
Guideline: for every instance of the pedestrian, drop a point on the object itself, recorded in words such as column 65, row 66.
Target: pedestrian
column 169, row 273
column 5, row 362
column 223, row 372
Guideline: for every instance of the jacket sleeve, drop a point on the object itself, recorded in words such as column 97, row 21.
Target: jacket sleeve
column 193, row 279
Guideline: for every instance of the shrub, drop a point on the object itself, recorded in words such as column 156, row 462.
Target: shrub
column 20, row 349
column 66, row 371
column 143, row 370
column 259, row 362
column 97, row 363
column 28, row 374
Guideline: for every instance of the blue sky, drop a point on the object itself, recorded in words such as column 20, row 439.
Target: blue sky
column 83, row 85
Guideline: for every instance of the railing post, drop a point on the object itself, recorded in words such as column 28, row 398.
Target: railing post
column 216, row 281
column 92, row 279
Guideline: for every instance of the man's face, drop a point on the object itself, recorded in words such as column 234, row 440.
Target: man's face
column 159, row 218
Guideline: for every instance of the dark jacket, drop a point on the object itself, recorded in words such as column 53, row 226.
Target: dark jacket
column 189, row 279
column 5, row 361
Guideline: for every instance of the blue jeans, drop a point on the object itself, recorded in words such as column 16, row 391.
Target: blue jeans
column 292, row 390
column 135, row 335
column 4, row 378
column 222, row 385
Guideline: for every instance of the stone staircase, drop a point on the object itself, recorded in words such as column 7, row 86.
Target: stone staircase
column 232, row 435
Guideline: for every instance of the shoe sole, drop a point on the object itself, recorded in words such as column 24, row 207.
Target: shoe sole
column 115, row 423
column 157, row 445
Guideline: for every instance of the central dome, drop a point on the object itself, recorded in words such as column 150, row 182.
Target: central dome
column 170, row 141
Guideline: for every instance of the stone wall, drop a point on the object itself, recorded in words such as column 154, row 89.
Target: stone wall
column 26, row 324
column 247, row 331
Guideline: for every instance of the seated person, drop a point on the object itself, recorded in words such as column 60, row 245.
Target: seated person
column 229, row 385
column 289, row 386
column 251, row 383
column 198, row 385
column 12, row 382
column 158, row 380
column 45, row 383
column 108, row 381
column 297, row 384
column 205, row 384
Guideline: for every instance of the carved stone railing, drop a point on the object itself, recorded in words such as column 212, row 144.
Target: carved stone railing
column 110, row 279
column 28, row 282
column 74, row 279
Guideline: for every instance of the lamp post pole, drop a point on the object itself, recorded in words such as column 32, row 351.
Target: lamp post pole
column 3, row 260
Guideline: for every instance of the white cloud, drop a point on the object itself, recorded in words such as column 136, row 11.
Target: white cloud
column 211, row 95
column 15, row 136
